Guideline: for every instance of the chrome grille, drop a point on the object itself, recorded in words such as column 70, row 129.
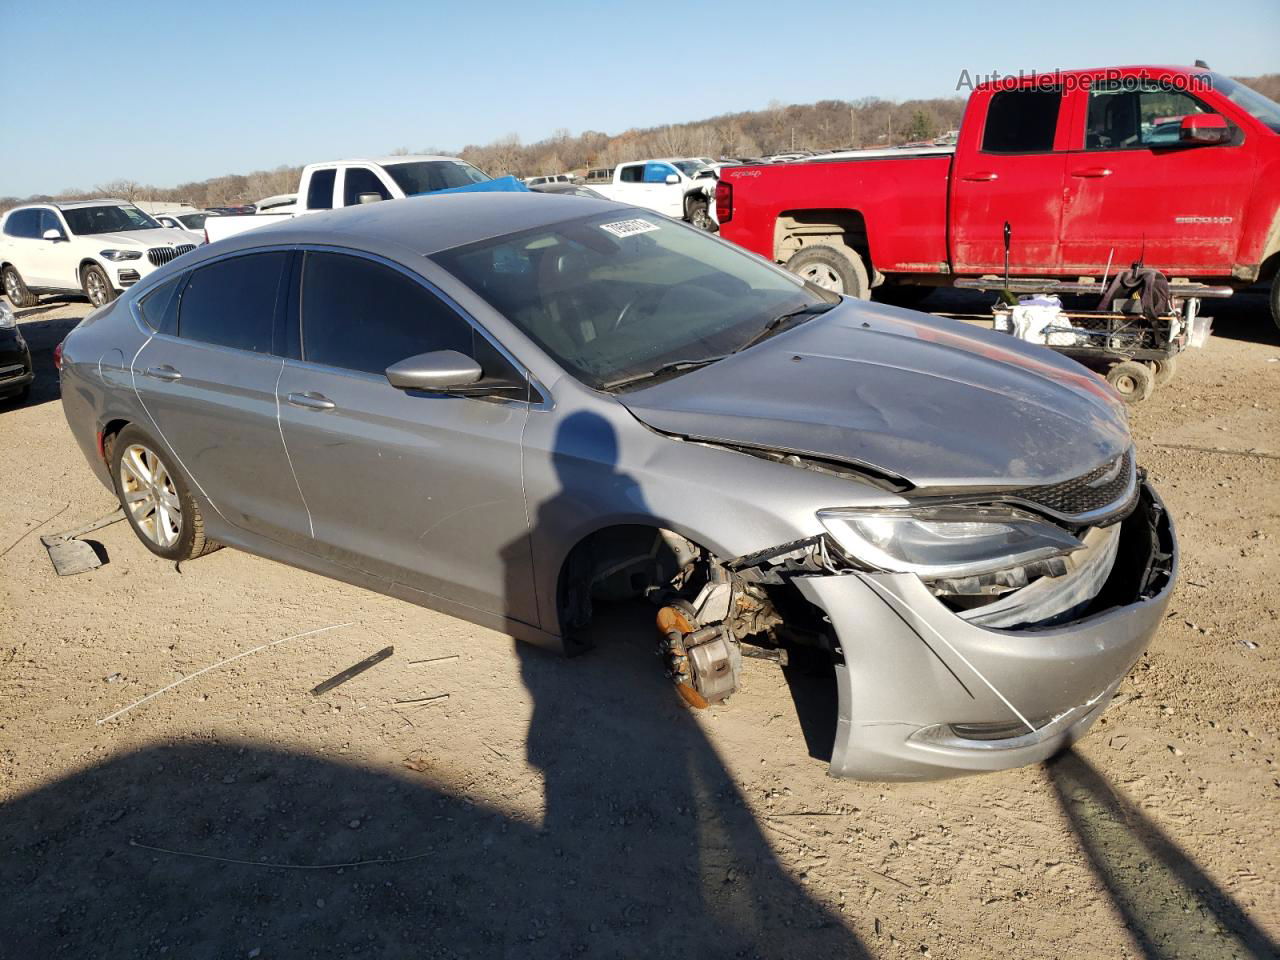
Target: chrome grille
column 159, row 256
column 1102, row 487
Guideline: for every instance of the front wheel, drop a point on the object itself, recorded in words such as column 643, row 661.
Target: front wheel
column 699, row 215
column 97, row 286
column 838, row 269
column 156, row 498
column 1134, row 381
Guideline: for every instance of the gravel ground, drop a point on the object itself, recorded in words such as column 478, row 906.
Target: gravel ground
column 546, row 808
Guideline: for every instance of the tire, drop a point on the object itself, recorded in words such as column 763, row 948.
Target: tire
column 97, row 285
column 139, row 465
column 1134, row 381
column 16, row 290
column 901, row 294
column 1162, row 371
column 833, row 268
column 698, row 214
column 1275, row 300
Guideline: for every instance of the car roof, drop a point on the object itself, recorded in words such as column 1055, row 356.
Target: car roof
column 426, row 224
column 71, row 204
column 387, row 161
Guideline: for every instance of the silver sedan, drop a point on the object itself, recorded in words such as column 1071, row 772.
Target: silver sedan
column 516, row 409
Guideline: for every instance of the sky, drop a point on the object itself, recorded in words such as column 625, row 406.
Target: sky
column 170, row 92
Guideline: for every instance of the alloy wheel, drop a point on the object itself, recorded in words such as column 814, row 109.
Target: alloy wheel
column 11, row 286
column 150, row 495
column 97, row 289
column 823, row 276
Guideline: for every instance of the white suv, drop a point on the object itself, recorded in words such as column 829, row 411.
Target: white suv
column 94, row 247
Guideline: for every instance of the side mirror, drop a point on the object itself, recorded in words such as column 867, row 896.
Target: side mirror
column 437, row 372
column 53, row 234
column 672, row 178
column 368, row 197
column 1204, row 128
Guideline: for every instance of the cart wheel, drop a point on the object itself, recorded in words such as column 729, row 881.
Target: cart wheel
column 1164, row 370
column 1134, row 381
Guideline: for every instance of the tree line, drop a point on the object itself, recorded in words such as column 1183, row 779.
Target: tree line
column 780, row 128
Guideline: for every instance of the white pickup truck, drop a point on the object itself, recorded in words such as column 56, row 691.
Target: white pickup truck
column 345, row 183
column 680, row 188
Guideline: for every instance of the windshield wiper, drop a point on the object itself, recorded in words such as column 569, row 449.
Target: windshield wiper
column 772, row 327
column 673, row 366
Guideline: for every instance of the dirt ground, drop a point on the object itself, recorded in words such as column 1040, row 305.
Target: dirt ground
column 540, row 807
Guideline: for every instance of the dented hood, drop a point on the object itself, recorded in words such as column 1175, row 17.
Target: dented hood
column 936, row 402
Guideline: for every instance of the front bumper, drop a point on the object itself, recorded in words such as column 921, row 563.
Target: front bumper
column 923, row 694
column 15, row 365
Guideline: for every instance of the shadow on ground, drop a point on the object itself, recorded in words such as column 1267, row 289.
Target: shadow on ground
column 646, row 847
column 1170, row 905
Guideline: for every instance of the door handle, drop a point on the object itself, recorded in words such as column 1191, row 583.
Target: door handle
column 981, row 176
column 1092, row 172
column 163, row 372
column 311, row 401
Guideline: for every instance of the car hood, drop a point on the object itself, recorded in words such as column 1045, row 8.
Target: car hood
column 162, row 237
column 938, row 403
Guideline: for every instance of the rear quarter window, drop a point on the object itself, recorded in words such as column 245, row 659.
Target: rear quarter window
column 159, row 308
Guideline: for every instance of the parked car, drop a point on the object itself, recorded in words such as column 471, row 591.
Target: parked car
column 1071, row 167
column 94, row 247
column 347, row 183
column 16, row 372
column 678, row 188
column 192, row 224
column 554, row 402
column 571, row 189
column 532, row 182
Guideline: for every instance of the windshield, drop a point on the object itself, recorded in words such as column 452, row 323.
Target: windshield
column 1263, row 108
column 426, row 176
column 193, row 221
column 619, row 294
column 113, row 219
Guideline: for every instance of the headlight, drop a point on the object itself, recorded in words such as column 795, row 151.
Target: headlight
column 945, row 541
column 8, row 321
column 115, row 256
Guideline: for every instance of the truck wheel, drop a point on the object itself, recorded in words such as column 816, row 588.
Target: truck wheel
column 16, row 290
column 1134, row 381
column 97, row 287
column 832, row 268
column 1163, row 370
column 698, row 215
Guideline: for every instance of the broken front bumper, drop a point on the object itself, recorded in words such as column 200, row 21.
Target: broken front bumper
column 924, row 694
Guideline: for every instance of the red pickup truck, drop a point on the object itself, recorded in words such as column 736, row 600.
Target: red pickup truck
column 1177, row 165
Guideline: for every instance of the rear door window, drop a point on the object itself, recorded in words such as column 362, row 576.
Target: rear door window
column 361, row 315
column 23, row 223
column 320, row 190
column 1022, row 121
column 233, row 303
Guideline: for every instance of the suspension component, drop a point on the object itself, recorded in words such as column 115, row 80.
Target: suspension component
column 703, row 662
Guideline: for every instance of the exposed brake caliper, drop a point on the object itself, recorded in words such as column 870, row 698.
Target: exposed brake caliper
column 704, row 662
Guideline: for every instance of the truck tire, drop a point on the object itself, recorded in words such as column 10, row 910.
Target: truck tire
column 1134, row 381
column 97, row 285
column 16, row 290
column 1163, row 370
column 833, row 268
column 698, row 214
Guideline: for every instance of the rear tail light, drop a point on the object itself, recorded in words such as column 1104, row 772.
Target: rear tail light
column 724, row 201
column 57, row 356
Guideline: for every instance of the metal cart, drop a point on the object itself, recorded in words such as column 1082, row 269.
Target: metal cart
column 1136, row 353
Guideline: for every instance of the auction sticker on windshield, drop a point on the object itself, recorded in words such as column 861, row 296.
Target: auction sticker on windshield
column 629, row 228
